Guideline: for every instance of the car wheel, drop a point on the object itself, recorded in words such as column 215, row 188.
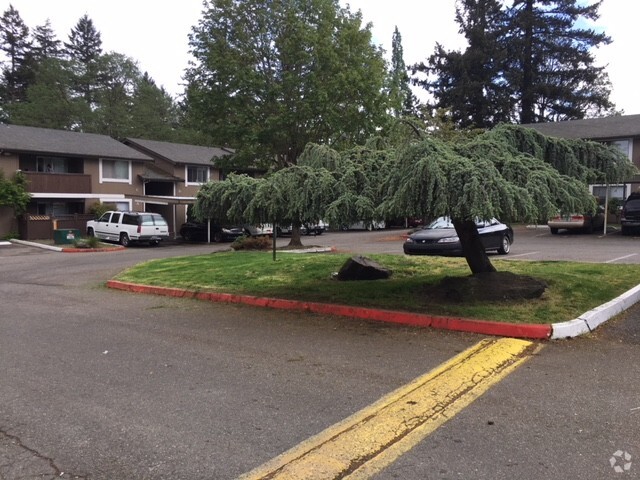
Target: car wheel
column 554, row 231
column 90, row 232
column 186, row 235
column 217, row 237
column 624, row 231
column 505, row 246
column 124, row 240
column 154, row 243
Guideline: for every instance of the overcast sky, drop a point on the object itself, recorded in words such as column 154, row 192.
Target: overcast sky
column 155, row 33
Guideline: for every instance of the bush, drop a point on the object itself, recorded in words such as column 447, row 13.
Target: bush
column 88, row 242
column 11, row 235
column 98, row 209
column 251, row 243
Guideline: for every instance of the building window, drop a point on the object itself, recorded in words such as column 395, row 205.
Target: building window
column 115, row 171
column 623, row 145
column 197, row 175
column 615, row 191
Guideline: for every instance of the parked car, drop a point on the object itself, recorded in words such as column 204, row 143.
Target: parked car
column 630, row 215
column 317, row 228
column 197, row 231
column 127, row 227
column 364, row 226
column 584, row 222
column 264, row 230
column 310, row 229
column 440, row 238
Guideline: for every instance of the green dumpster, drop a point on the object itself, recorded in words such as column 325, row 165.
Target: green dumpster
column 66, row 235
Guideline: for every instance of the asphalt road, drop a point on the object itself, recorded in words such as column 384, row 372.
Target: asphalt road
column 102, row 384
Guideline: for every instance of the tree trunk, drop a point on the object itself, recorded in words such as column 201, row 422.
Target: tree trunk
column 296, row 236
column 526, row 88
column 472, row 247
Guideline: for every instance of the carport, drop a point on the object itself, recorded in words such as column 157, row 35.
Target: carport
column 171, row 203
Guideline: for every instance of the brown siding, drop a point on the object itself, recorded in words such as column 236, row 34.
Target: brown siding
column 92, row 168
column 58, row 182
column 636, row 152
column 9, row 164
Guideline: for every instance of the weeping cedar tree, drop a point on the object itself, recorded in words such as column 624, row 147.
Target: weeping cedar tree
column 340, row 188
column 510, row 172
column 295, row 195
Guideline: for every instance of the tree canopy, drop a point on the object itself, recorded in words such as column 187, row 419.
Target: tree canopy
column 13, row 193
column 510, row 172
column 74, row 85
column 527, row 61
column 270, row 77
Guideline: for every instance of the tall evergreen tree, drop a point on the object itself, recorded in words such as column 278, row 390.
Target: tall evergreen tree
column 113, row 93
column 470, row 85
column 154, row 114
column 84, row 49
column 48, row 103
column 552, row 68
column 401, row 98
column 527, row 61
column 17, row 70
column 45, row 43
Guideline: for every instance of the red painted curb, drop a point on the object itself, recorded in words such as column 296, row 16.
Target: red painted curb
column 530, row 331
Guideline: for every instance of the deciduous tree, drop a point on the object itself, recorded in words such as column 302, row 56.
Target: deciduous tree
column 271, row 76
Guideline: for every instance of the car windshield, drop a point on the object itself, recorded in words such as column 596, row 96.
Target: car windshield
column 440, row 222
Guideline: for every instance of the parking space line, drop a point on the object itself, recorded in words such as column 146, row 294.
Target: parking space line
column 523, row 254
column 621, row 258
column 373, row 438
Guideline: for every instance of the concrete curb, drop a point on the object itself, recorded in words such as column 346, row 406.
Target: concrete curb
column 585, row 323
column 536, row 331
column 66, row 249
column 36, row 244
column 589, row 321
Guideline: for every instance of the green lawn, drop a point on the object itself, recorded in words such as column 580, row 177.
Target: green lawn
column 573, row 287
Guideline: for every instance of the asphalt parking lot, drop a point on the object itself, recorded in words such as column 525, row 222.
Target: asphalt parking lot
column 530, row 243
column 101, row 384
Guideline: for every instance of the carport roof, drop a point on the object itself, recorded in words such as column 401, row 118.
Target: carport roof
column 22, row 139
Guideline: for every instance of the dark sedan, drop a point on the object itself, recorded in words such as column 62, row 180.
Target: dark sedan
column 195, row 231
column 440, row 238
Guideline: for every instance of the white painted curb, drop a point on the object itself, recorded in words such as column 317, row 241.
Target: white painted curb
column 39, row 245
column 589, row 321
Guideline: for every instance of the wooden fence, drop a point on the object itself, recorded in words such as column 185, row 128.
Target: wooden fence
column 42, row 227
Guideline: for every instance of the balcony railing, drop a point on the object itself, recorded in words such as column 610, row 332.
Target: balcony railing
column 58, row 182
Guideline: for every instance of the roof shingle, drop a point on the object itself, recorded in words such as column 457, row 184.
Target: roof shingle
column 605, row 128
column 19, row 138
column 179, row 153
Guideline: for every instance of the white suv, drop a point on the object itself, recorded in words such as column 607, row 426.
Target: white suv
column 127, row 227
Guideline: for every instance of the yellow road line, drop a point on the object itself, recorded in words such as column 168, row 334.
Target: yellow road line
column 371, row 439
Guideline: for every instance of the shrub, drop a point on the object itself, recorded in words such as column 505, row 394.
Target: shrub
column 251, row 243
column 98, row 209
column 87, row 242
